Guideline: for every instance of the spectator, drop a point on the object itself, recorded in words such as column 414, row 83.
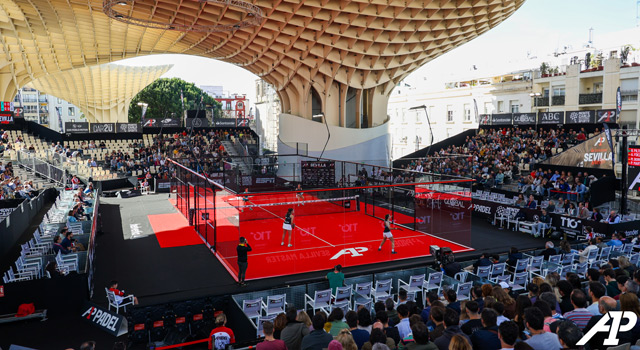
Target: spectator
column 294, row 331
column 278, row 325
column 378, row 337
column 58, row 247
column 431, row 297
column 459, row 342
column 584, row 254
column 474, row 322
column 606, row 304
column 483, row 261
column 476, row 295
column 543, row 306
column 534, row 291
column 318, row 339
column 522, row 302
column 531, row 203
column 221, row 336
column 451, row 267
column 539, row 340
column 611, row 283
column 579, row 315
column 402, row 297
column 514, row 256
column 390, row 332
column 569, row 335
column 269, row 342
column 508, row 302
column 596, row 291
column 451, row 321
column 335, row 318
column 549, row 251
column 336, row 278
column 595, row 216
column 360, row 336
column 119, row 294
column 391, row 312
column 420, row 338
column 403, row 326
column 487, row 338
column 565, row 288
column 345, row 339
column 451, row 297
column 437, row 317
column 508, row 334
column 364, row 319
column 543, row 223
column 613, row 218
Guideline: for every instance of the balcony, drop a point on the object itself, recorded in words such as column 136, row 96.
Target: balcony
column 586, row 99
column 541, row 101
column 557, row 100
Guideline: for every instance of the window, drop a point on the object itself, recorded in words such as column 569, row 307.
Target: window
column 467, row 113
column 72, row 111
column 514, row 106
column 449, row 113
column 597, row 88
column 500, row 106
column 228, row 105
column 558, row 90
column 488, row 107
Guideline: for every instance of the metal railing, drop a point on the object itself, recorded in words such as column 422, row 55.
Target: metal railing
column 541, row 101
column 557, row 100
column 590, row 98
column 41, row 167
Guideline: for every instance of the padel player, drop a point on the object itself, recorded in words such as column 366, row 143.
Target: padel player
column 386, row 234
column 288, row 226
column 245, row 199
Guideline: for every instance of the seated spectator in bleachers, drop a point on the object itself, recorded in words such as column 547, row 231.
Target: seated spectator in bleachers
column 572, row 210
column 88, row 191
column 615, row 241
column 420, row 335
column 391, row 312
column 294, row 331
column 269, row 342
column 403, row 326
column 452, row 328
column 452, row 299
column 364, row 319
column 378, row 337
column 58, row 247
column 579, row 315
column 486, row 338
column 113, row 287
column 482, row 261
column 335, row 319
column 436, row 317
column 474, row 323
column 221, row 336
column 344, row 341
column 549, row 250
column 514, row 256
column 391, row 332
column 539, row 340
column 508, row 334
column 75, row 182
column 531, row 203
column 583, row 254
column 318, row 339
column 611, row 283
column 613, row 218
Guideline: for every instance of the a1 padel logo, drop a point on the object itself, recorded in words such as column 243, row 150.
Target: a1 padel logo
column 613, row 329
column 357, row 251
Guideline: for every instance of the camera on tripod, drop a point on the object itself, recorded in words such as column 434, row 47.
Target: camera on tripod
column 443, row 256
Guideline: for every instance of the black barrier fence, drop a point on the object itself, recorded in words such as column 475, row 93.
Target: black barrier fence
column 572, row 226
column 15, row 224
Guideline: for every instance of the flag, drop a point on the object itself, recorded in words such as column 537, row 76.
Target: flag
column 144, row 110
column 475, row 107
column 618, row 103
column 60, row 119
column 607, row 133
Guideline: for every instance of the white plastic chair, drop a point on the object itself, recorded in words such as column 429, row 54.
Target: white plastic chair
column 382, row 290
column 434, row 281
column 117, row 301
column 343, row 294
column 519, row 281
column 415, row 285
column 463, row 291
column 321, row 300
column 483, row 271
column 252, row 309
column 275, row 304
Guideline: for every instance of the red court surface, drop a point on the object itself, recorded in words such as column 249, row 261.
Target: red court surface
column 320, row 241
column 173, row 230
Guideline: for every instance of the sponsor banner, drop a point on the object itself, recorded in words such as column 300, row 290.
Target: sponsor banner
column 524, row 119
column 160, row 123
column 551, row 118
column 197, row 122
column 104, row 319
column 633, row 175
column 618, row 101
column 128, row 128
column 103, row 127
column 502, row 119
column 485, row 119
column 607, row 133
column 225, row 122
column 242, row 122
column 606, row 116
column 76, row 127
column 6, row 106
column 6, row 117
column 571, row 225
column 580, row 117
column 318, row 173
column 163, row 186
column 593, row 153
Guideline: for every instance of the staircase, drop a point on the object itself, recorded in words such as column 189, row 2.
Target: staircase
column 238, row 158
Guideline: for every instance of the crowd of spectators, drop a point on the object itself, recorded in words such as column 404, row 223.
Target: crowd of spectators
column 493, row 156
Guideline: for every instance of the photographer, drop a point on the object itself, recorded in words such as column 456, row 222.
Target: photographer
column 449, row 265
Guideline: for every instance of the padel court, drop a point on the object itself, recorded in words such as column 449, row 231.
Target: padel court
column 331, row 227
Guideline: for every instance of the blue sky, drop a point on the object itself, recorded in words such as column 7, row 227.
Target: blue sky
column 539, row 26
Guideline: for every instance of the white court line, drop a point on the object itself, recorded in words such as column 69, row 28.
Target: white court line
column 341, row 244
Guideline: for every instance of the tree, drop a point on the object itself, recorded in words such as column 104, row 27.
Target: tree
column 163, row 100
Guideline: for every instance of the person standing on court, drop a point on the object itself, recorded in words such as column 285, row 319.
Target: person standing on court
column 242, row 249
column 336, row 278
column 386, row 234
column 288, row 226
